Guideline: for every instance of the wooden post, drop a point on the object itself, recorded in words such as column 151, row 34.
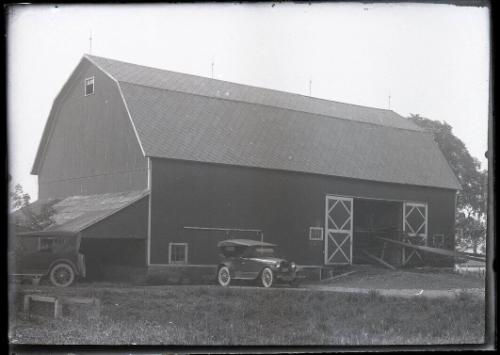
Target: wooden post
column 382, row 254
column 57, row 308
column 26, row 304
column 97, row 304
column 35, row 281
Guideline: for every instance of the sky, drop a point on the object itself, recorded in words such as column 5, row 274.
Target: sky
column 425, row 59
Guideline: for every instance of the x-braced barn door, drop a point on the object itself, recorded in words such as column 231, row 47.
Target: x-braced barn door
column 415, row 228
column 338, row 230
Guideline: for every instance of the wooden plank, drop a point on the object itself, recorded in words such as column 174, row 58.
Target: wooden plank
column 371, row 256
column 433, row 250
column 42, row 298
column 38, row 298
column 59, row 301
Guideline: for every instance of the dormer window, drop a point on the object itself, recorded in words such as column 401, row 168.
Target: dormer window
column 89, row 86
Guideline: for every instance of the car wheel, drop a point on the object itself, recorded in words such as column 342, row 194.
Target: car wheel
column 62, row 275
column 223, row 276
column 266, row 277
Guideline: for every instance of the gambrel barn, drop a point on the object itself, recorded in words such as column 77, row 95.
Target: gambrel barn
column 201, row 160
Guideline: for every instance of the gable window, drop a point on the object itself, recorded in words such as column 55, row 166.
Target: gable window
column 177, row 253
column 315, row 233
column 89, row 86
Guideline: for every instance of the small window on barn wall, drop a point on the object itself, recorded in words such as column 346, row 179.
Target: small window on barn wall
column 177, row 253
column 89, row 86
column 315, row 233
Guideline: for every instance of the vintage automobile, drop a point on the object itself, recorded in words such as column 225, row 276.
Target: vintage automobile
column 244, row 259
column 54, row 255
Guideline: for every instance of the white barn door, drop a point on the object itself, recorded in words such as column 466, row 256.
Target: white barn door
column 338, row 230
column 415, row 219
column 415, row 229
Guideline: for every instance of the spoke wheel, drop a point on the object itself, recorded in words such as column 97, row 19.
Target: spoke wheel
column 62, row 275
column 266, row 277
column 223, row 276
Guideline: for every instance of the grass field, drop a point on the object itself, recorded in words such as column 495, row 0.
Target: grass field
column 211, row 315
column 426, row 279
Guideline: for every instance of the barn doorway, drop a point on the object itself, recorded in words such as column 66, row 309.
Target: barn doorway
column 115, row 259
column 372, row 219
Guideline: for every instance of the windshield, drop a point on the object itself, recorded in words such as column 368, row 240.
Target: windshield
column 232, row 251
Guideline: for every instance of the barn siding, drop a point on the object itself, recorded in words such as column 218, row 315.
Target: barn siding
column 93, row 148
column 283, row 204
column 130, row 222
column 115, row 247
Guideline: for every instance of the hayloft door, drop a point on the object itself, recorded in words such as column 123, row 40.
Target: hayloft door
column 338, row 230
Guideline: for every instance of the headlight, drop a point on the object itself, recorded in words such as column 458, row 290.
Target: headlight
column 293, row 265
column 278, row 264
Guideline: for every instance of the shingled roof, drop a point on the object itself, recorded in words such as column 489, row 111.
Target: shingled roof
column 75, row 213
column 181, row 116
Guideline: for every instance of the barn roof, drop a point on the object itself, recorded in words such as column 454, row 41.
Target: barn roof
column 187, row 117
column 76, row 213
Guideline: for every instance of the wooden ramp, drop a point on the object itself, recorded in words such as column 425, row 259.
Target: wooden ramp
column 379, row 260
column 439, row 251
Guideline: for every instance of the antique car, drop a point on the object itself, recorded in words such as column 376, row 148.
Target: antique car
column 244, row 259
column 51, row 255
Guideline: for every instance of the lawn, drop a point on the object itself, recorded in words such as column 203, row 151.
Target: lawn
column 211, row 315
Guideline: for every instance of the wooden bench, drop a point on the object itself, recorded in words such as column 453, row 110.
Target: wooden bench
column 58, row 302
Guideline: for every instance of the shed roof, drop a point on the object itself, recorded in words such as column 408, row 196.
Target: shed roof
column 76, row 213
column 188, row 117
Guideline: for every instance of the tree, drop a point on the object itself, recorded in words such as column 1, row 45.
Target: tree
column 471, row 201
column 18, row 198
column 24, row 216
